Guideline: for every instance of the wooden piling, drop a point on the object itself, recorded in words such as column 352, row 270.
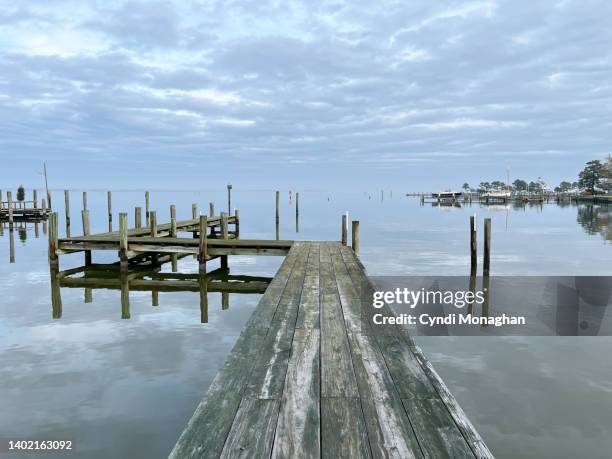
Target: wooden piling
column 173, row 227
column 297, row 212
column 211, row 209
column 486, row 265
column 109, row 204
column 172, row 211
column 67, row 209
column 194, row 211
column 224, row 231
column 86, row 232
column 277, row 215
column 84, row 200
column 355, row 236
column 224, row 235
column 125, row 285
column 138, row 217
column 203, row 282
column 123, row 240
column 11, row 246
column 344, row 228
column 9, row 198
column 35, row 198
column 202, row 247
column 153, row 223
column 147, row 207
column 229, row 199
column 53, row 240
column 237, row 223
column 473, row 246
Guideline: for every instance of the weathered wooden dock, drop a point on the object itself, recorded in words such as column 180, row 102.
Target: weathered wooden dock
column 305, row 380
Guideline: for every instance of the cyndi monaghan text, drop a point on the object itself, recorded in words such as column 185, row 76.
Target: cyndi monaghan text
column 451, row 319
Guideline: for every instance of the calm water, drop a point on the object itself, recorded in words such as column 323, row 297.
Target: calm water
column 126, row 388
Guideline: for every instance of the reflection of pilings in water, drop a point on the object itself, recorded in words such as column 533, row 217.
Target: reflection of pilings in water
column 88, row 295
column 36, row 230
column 125, row 295
column 472, row 289
column 224, row 300
column 203, row 299
column 56, row 298
column 154, row 297
column 485, row 304
column 11, row 245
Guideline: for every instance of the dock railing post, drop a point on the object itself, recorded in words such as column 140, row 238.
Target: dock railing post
column 85, row 219
column 486, row 265
column 53, row 240
column 202, row 246
column 123, row 240
column 153, row 226
column 344, row 228
column 109, row 204
column 277, row 215
column 473, row 246
column 355, row 236
column 67, row 209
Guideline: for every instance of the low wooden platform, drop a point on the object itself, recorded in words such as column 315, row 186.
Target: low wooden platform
column 303, row 380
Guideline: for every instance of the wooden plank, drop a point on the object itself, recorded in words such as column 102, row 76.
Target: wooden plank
column 209, row 426
column 299, row 423
column 343, row 431
column 308, row 312
column 415, row 378
column 389, row 429
column 253, row 430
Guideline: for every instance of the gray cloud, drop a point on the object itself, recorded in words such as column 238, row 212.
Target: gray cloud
column 386, row 85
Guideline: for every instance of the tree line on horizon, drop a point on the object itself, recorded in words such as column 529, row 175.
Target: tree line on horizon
column 594, row 178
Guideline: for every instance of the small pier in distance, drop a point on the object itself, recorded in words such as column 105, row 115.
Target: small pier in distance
column 305, row 377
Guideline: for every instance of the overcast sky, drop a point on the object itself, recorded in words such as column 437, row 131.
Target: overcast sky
column 408, row 95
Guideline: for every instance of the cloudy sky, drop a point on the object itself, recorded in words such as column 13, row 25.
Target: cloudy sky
column 408, row 94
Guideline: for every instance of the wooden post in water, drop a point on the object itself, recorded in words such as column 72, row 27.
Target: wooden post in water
column 138, row 217
column 125, row 285
column 194, row 211
column 67, row 209
column 202, row 246
column 9, row 198
column 56, row 297
column 147, row 207
column 123, row 241
column 44, row 224
column 211, row 209
column 35, row 198
column 53, row 240
column 473, row 246
column 224, row 235
column 11, row 246
column 344, row 228
column 355, row 238
column 84, row 200
column 277, row 215
column 153, row 226
column 297, row 212
column 1, row 202
column 486, row 265
column 172, row 211
column 229, row 199
column 203, row 282
column 85, row 218
column 237, row 223
column 109, row 203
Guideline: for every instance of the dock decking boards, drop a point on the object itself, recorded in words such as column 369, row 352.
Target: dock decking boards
column 303, row 381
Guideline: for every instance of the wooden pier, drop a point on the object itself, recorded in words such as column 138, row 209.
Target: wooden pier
column 305, row 380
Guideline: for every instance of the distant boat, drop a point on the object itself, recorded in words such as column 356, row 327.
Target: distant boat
column 497, row 195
